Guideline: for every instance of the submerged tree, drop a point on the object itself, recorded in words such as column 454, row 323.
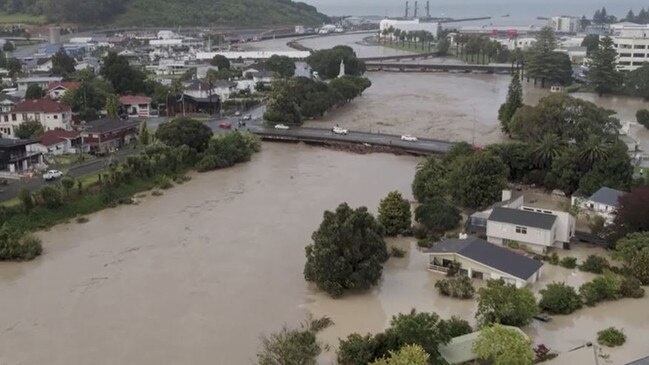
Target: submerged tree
column 513, row 102
column 394, row 214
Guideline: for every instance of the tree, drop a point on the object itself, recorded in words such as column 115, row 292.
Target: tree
column 8, row 47
column 477, row 181
column 504, row 346
column 143, row 135
column 541, row 61
column 185, row 131
column 25, row 198
column 349, row 87
column 429, row 182
column 51, row 197
column 407, row 355
column 513, row 102
column 124, row 78
column 602, row 72
column 348, row 251
column 516, row 156
column 112, row 106
column 14, row 66
column 637, row 82
column 603, row 287
column 457, row 326
column 221, row 62
column 631, row 214
column 327, row 62
column 559, row 298
column 443, row 45
column 456, row 287
column 639, row 267
column 67, row 183
column 503, row 303
column 546, row 151
column 282, row 66
column 30, row 129
column 62, row 63
column 642, row 116
column 293, row 346
column 437, row 215
column 420, row 328
column 615, row 171
column 394, row 214
column 611, row 337
column 34, row 91
column 591, row 42
column 633, row 250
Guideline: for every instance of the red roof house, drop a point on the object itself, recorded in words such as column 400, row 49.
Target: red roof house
column 59, row 141
column 57, row 89
column 136, row 105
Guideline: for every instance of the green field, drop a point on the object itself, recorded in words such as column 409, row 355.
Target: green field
column 414, row 48
column 21, row 18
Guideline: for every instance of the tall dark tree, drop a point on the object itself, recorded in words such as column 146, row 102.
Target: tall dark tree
column 327, row 62
column 185, row 131
column 282, row 66
column 437, row 216
column 34, row 91
column 505, row 304
column 602, row 72
column 541, row 62
column 62, row 63
column 477, row 181
column 513, row 102
column 631, row 214
column 221, row 62
column 124, row 78
column 548, row 149
column 348, row 251
column 394, row 214
column 591, row 42
column 637, row 81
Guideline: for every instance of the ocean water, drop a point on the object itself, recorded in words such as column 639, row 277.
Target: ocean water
column 519, row 10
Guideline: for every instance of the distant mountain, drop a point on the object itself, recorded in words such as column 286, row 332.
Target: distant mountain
column 169, row 13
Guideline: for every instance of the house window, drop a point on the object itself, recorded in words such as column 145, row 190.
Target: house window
column 56, row 116
column 25, row 118
column 13, row 117
column 37, row 117
column 521, row 230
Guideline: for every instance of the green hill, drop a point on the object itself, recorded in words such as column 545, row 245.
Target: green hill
column 167, row 13
column 219, row 12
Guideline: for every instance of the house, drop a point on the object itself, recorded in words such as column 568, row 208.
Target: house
column 224, row 88
column 136, row 105
column 17, row 155
column 479, row 259
column 106, row 135
column 56, row 89
column 60, row 142
column 7, row 102
column 41, row 81
column 198, row 97
column 603, row 203
column 51, row 114
column 460, row 349
column 265, row 77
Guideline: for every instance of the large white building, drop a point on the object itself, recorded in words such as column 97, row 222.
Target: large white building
column 51, row 114
column 565, row 24
column 413, row 25
column 632, row 44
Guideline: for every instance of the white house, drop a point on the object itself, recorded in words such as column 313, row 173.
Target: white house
column 60, row 142
column 51, row 114
column 136, row 105
column 538, row 231
column 24, row 83
column 56, row 90
column 7, row 102
column 604, row 202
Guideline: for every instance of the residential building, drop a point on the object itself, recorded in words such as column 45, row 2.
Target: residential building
column 107, row 135
column 17, row 155
column 60, row 142
column 253, row 55
column 198, row 97
column 479, row 259
column 565, row 24
column 7, row 102
column 512, row 43
column 51, row 114
column 604, row 202
column 56, row 90
column 460, row 349
column 43, row 82
column 632, row 44
column 411, row 25
column 136, row 105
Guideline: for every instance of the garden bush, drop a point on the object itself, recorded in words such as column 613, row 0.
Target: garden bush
column 51, row 197
column 595, row 264
column 631, row 287
column 554, row 259
column 611, row 337
column 559, row 298
column 397, row 252
column 603, row 287
column 568, row 262
column 18, row 247
column 456, row 287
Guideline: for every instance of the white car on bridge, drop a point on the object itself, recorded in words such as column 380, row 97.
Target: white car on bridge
column 281, row 126
column 338, row 130
column 409, row 138
column 52, row 175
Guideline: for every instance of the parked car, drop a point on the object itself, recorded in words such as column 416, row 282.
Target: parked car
column 281, row 126
column 247, row 117
column 225, row 125
column 338, row 130
column 52, row 175
column 237, row 113
column 409, row 138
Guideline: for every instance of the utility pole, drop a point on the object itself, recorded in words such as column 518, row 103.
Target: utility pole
column 407, row 8
column 416, row 8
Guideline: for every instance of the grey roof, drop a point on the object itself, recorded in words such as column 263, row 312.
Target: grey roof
column 490, row 255
column 10, row 142
column 523, row 218
column 606, row 196
column 107, row 125
column 643, row 361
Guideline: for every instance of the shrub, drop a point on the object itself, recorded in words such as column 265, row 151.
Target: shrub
column 394, row 214
column 82, row 220
column 156, row 192
column 425, row 243
column 397, row 252
column 595, row 264
column 163, row 182
column 611, row 337
column 17, row 247
column 456, row 287
column 457, row 326
column 559, row 298
column 568, row 262
column 67, row 183
column 25, row 198
column 554, row 259
column 631, row 288
column 603, row 287
column 211, row 162
column 419, row 232
column 51, row 197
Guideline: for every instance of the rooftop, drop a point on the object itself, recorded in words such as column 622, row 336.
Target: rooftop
column 488, row 254
column 134, row 99
column 607, row 196
column 523, row 218
column 44, row 105
column 107, row 125
column 69, row 85
column 9, row 142
column 55, row 136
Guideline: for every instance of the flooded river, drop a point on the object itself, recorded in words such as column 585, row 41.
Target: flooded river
column 197, row 275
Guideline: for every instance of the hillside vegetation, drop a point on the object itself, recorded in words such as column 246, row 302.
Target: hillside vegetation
column 168, row 13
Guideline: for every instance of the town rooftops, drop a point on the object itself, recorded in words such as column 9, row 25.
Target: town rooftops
column 42, row 79
column 523, row 218
column 490, row 255
column 606, row 196
column 197, row 85
column 55, row 136
column 108, row 125
column 68, row 85
column 10, row 142
column 460, row 349
column 44, row 105
column 8, row 99
column 134, row 100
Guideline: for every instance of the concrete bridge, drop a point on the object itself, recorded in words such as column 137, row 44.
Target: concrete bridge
column 443, row 67
column 369, row 141
column 412, row 57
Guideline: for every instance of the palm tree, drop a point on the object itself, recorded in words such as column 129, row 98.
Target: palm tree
column 397, row 33
column 390, row 31
column 385, row 33
column 595, row 149
column 547, row 150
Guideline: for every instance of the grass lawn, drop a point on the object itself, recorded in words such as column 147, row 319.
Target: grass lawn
column 415, row 48
column 10, row 202
column 21, row 18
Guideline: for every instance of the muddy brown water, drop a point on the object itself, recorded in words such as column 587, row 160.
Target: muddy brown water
column 199, row 274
